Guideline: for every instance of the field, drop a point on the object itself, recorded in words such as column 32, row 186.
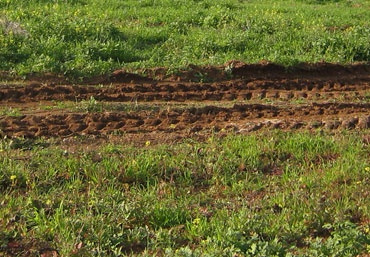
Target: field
column 138, row 128
column 84, row 38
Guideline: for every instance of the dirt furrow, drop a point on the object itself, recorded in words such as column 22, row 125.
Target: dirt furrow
column 189, row 92
column 234, row 97
column 184, row 121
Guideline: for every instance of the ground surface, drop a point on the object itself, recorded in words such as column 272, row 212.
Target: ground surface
column 156, row 108
column 195, row 102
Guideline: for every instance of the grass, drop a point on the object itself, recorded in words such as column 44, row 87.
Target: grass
column 88, row 37
column 9, row 111
column 268, row 194
column 92, row 105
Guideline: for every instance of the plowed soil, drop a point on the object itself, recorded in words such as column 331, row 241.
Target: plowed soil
column 233, row 98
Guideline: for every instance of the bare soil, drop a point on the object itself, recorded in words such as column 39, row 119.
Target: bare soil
column 193, row 103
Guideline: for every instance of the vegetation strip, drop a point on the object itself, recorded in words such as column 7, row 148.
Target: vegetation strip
column 264, row 194
column 86, row 38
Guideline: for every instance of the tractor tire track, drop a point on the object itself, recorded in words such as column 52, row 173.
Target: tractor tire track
column 255, row 97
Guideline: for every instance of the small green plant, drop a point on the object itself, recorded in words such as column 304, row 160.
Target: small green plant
column 90, row 105
column 229, row 70
column 11, row 111
column 346, row 239
column 202, row 77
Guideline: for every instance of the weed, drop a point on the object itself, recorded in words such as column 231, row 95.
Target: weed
column 90, row 105
column 202, row 77
column 10, row 111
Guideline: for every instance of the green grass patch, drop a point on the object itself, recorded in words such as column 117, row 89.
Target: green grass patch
column 9, row 111
column 86, row 38
column 271, row 194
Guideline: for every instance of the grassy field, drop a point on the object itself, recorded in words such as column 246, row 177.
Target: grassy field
column 82, row 38
column 275, row 192
column 268, row 194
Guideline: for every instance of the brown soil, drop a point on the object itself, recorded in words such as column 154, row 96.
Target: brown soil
column 233, row 98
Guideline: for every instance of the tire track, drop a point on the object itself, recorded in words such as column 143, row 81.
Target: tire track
column 246, row 117
column 250, row 98
column 225, row 91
